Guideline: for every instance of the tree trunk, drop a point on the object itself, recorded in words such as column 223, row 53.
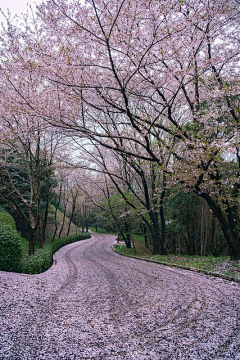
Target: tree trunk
column 133, row 244
column 163, row 230
column 128, row 241
column 158, row 247
column 41, row 237
column 155, row 233
column 72, row 214
column 45, row 221
column 63, row 222
column 162, row 217
column 128, row 236
column 202, row 232
column 55, row 214
column 155, row 241
column 31, row 244
column 144, row 231
column 233, row 243
column 55, row 233
column 213, row 245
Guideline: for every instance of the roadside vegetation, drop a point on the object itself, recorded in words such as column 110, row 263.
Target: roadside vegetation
column 221, row 265
column 43, row 258
column 10, row 243
column 14, row 249
column 99, row 229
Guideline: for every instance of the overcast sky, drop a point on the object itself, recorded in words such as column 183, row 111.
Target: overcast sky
column 16, row 6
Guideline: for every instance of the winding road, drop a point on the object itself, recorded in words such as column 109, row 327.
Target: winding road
column 96, row 304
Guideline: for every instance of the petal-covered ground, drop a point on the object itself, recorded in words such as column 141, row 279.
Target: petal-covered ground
column 95, row 304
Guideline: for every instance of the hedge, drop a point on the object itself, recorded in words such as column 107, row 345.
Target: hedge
column 43, row 258
column 14, row 249
column 10, row 243
column 6, row 219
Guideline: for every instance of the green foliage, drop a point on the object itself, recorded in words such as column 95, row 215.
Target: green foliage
column 20, row 188
column 37, row 263
column 6, row 219
column 139, row 246
column 42, row 259
column 123, row 249
column 10, row 243
column 207, row 263
column 190, row 223
column 116, row 215
column 99, row 230
column 14, row 249
column 10, row 248
column 58, row 243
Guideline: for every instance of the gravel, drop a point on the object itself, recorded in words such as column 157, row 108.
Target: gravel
column 95, row 304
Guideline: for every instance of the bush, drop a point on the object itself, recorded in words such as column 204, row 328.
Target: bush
column 58, row 243
column 6, row 219
column 10, row 248
column 101, row 230
column 14, row 249
column 37, row 263
column 42, row 259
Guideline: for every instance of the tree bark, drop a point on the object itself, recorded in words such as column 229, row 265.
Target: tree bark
column 162, row 217
column 31, row 243
column 233, row 243
column 128, row 241
column 55, row 214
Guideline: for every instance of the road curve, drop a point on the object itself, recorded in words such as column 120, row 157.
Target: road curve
column 95, row 304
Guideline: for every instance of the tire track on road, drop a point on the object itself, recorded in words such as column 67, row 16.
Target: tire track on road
column 139, row 310
column 200, row 298
column 176, row 312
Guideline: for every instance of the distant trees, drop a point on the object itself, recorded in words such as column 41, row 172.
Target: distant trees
column 122, row 206
column 191, row 226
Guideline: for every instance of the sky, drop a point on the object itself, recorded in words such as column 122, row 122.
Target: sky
column 16, row 6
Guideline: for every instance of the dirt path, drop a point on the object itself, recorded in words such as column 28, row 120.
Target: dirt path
column 96, row 304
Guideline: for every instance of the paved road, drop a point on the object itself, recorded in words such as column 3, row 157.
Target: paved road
column 96, row 304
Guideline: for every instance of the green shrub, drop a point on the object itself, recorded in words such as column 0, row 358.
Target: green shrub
column 100, row 230
column 42, row 259
column 37, row 263
column 58, row 243
column 6, row 219
column 14, row 249
column 10, row 248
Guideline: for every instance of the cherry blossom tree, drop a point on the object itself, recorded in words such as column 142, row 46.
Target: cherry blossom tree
column 136, row 76
column 139, row 73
